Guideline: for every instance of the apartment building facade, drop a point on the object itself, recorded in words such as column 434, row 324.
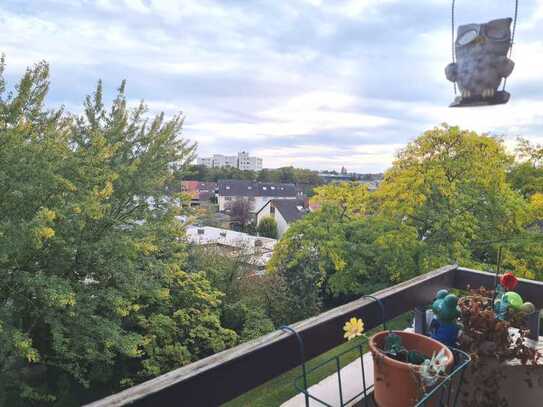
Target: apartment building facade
column 242, row 161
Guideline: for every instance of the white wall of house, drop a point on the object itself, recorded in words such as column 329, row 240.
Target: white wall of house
column 259, row 202
column 224, row 201
column 282, row 225
column 264, row 213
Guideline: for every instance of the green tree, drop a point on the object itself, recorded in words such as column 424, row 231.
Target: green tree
column 326, row 259
column 526, row 179
column 245, row 307
column 93, row 290
column 531, row 152
column 203, row 173
column 451, row 186
column 240, row 213
column 267, row 227
column 446, row 198
column 526, row 176
column 352, row 198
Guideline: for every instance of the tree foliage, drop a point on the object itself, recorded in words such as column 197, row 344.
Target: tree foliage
column 351, row 197
column 245, row 306
column 267, row 227
column 94, row 294
column 325, row 259
column 280, row 175
column 451, row 196
column 240, row 213
column 451, row 185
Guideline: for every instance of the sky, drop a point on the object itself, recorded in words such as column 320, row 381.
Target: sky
column 311, row 83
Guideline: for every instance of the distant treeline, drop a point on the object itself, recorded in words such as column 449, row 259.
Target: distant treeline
column 355, row 176
column 283, row 174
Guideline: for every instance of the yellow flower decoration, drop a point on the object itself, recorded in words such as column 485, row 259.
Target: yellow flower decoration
column 353, row 328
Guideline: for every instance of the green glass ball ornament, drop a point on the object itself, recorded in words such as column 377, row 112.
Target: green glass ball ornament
column 514, row 300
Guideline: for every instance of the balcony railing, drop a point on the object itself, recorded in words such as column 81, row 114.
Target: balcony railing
column 228, row 374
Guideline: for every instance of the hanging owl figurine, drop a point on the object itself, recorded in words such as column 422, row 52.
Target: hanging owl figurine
column 481, row 63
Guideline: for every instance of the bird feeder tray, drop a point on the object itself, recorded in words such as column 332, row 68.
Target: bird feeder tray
column 500, row 97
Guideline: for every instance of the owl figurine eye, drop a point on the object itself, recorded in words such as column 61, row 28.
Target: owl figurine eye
column 497, row 31
column 467, row 37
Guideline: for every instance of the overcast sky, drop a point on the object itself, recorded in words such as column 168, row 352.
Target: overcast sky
column 310, row 83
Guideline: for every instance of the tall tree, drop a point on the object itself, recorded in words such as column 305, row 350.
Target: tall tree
column 451, row 185
column 93, row 291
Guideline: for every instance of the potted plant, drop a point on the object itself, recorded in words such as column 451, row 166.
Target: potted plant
column 402, row 373
column 405, row 364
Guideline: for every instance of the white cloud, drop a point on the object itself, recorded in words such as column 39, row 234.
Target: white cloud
column 265, row 74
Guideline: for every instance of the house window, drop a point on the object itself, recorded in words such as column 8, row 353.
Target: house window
column 272, row 210
column 201, row 231
column 228, row 187
column 227, row 198
column 264, row 188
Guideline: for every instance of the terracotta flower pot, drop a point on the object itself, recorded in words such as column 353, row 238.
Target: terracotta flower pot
column 396, row 383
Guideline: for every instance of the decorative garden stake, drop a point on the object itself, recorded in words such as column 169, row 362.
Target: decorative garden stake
column 507, row 300
column 480, row 61
column 444, row 327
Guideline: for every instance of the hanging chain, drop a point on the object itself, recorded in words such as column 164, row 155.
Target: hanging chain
column 452, row 36
column 513, row 32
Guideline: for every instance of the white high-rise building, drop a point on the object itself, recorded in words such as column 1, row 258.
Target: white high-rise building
column 242, row 161
column 249, row 163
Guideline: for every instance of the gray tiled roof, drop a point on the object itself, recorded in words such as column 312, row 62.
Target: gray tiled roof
column 291, row 209
column 250, row 188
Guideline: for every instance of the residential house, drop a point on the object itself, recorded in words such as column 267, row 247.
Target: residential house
column 284, row 211
column 199, row 191
column 258, row 193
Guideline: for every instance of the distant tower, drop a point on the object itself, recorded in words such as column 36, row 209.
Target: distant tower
column 343, row 171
